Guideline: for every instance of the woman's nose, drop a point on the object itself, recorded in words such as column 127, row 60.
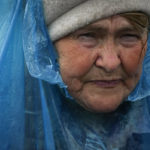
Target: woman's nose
column 108, row 58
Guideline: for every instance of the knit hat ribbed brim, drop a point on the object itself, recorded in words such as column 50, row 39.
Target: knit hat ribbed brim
column 65, row 16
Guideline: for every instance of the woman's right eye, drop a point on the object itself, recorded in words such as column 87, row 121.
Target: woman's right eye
column 87, row 35
column 87, row 39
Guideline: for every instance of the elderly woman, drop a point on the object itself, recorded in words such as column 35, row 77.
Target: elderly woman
column 94, row 57
column 101, row 63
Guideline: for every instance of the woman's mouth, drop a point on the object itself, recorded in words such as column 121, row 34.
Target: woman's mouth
column 107, row 83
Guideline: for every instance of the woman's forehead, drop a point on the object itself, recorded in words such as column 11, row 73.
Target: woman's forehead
column 116, row 22
column 116, row 19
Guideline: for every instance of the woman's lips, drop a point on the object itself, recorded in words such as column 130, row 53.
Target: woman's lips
column 107, row 83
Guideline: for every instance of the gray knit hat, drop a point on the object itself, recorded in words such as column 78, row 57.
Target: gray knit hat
column 65, row 16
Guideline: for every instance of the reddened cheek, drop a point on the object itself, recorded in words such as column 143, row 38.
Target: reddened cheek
column 132, row 67
column 77, row 65
column 132, row 60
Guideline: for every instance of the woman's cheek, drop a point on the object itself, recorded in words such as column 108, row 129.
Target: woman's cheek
column 72, row 73
column 76, row 64
column 132, row 61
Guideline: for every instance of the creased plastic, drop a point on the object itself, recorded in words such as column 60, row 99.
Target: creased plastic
column 11, row 76
column 40, row 56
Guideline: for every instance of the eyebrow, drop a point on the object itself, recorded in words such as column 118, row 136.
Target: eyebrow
column 127, row 28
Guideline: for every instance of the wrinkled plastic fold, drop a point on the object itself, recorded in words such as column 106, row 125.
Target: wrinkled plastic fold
column 40, row 55
column 11, row 76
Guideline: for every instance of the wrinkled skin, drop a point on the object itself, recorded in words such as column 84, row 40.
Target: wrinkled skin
column 101, row 63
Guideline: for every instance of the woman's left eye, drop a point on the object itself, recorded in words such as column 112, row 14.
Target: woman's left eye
column 130, row 36
column 129, row 39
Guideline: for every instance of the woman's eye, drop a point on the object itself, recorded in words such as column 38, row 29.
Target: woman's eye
column 88, row 39
column 86, row 36
column 129, row 39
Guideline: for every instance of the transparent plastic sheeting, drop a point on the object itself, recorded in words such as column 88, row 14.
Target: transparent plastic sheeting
column 35, row 112
column 40, row 54
column 11, row 76
column 14, row 95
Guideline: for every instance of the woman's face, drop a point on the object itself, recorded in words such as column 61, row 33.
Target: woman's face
column 101, row 63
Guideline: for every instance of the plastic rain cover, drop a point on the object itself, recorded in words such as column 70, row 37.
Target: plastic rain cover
column 11, row 76
column 37, row 112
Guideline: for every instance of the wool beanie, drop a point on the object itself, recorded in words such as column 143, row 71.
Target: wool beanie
column 65, row 16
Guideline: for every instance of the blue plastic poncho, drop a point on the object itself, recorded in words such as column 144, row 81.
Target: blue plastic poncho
column 37, row 112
